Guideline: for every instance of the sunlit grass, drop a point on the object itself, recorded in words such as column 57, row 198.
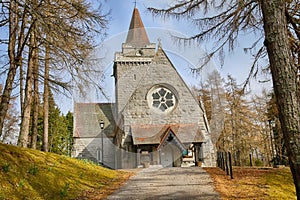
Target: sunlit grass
column 280, row 184
column 31, row 174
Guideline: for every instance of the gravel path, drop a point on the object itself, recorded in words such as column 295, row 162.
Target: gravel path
column 167, row 183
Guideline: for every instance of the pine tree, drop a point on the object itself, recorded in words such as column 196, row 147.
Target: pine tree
column 60, row 133
column 69, row 121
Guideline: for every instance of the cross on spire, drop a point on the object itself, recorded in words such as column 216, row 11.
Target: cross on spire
column 159, row 42
column 134, row 3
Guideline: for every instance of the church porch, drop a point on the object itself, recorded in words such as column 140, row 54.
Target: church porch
column 169, row 156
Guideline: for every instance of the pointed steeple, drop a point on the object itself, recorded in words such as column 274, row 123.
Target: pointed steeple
column 137, row 35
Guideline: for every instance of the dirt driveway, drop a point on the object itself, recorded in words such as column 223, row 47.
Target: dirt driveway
column 167, row 183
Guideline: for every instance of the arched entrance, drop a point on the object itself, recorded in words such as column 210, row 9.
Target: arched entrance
column 170, row 150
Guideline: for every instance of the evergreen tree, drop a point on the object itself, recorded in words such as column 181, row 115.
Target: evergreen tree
column 69, row 120
column 60, row 129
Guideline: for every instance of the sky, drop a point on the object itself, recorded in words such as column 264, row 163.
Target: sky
column 183, row 57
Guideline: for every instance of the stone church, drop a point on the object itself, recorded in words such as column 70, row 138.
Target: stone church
column 155, row 119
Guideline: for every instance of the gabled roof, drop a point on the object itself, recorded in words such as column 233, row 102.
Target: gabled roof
column 137, row 35
column 170, row 137
column 87, row 117
column 153, row 134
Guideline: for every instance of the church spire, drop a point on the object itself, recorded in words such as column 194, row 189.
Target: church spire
column 137, row 35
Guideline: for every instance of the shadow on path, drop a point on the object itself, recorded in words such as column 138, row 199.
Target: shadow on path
column 167, row 183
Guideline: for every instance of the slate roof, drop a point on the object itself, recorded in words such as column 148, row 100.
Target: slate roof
column 88, row 116
column 153, row 134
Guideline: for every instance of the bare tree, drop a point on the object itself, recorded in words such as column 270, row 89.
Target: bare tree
column 36, row 99
column 260, row 106
column 284, row 75
column 46, row 99
column 271, row 20
column 10, row 128
column 23, row 140
column 67, row 29
column 16, row 43
column 239, row 123
column 213, row 96
column 65, row 60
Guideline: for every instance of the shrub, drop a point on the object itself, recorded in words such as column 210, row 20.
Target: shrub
column 258, row 163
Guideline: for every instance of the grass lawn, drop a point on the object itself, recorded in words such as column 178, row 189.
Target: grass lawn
column 30, row 174
column 254, row 183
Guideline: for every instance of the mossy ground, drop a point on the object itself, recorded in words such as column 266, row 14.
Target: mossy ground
column 254, row 183
column 32, row 174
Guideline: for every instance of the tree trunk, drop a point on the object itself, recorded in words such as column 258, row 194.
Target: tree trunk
column 284, row 74
column 46, row 100
column 20, row 46
column 15, row 58
column 21, row 86
column 24, row 130
column 13, row 23
column 36, row 101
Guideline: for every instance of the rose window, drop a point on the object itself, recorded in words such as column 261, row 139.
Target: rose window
column 162, row 99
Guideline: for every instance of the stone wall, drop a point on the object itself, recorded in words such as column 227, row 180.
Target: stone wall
column 91, row 149
column 134, row 82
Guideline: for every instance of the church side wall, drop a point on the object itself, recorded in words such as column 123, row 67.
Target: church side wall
column 91, row 149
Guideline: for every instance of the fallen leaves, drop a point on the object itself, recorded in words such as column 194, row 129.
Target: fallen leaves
column 102, row 193
column 249, row 183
